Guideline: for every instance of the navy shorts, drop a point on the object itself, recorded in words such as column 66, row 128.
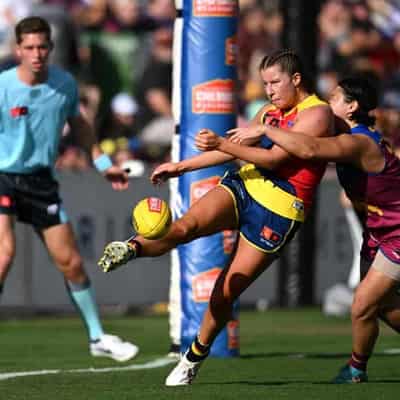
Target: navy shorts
column 33, row 198
column 261, row 227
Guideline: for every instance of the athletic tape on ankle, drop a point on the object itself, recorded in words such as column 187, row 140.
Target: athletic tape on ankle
column 102, row 163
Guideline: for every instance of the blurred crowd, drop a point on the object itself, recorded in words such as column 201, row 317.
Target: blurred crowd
column 355, row 36
column 121, row 53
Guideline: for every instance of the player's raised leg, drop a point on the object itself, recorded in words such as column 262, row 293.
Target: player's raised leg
column 212, row 213
column 61, row 245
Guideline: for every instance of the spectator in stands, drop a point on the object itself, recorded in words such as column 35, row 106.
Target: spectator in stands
column 258, row 31
column 10, row 12
column 121, row 119
column 65, row 35
column 161, row 10
column 155, row 88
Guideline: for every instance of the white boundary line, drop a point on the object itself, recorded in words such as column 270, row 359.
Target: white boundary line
column 395, row 350
column 157, row 363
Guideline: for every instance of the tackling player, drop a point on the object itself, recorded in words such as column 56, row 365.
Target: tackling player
column 369, row 172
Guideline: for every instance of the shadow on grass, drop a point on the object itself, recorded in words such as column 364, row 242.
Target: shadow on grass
column 309, row 355
column 271, row 383
column 296, row 381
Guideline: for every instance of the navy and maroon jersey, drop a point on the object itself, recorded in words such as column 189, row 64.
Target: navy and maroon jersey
column 375, row 196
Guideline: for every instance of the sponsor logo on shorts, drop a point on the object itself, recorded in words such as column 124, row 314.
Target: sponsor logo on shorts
column 231, row 50
column 200, row 188
column 52, row 209
column 154, row 204
column 203, row 284
column 214, row 8
column 298, row 205
column 214, row 97
column 268, row 234
column 16, row 112
column 5, row 201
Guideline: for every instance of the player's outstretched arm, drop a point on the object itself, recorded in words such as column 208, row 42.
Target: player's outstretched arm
column 172, row 170
column 267, row 158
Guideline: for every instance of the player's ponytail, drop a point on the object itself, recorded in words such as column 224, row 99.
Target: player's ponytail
column 365, row 93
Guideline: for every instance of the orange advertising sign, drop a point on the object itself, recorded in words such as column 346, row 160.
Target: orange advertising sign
column 233, row 334
column 215, row 8
column 214, row 97
column 203, row 284
column 231, row 50
column 200, row 188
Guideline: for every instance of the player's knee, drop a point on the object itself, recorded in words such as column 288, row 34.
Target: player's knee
column 7, row 254
column 71, row 266
column 185, row 228
column 362, row 308
column 226, row 291
column 220, row 303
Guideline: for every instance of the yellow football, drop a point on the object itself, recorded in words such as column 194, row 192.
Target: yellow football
column 151, row 218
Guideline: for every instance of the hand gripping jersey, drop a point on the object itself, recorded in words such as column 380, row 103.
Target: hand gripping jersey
column 298, row 177
column 375, row 196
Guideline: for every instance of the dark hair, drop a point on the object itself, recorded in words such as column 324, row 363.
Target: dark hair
column 289, row 62
column 32, row 25
column 365, row 93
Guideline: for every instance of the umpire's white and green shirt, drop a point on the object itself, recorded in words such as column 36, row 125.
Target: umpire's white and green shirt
column 32, row 119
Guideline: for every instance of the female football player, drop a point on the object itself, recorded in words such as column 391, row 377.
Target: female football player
column 369, row 172
column 266, row 200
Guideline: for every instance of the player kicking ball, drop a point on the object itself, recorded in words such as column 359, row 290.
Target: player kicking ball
column 266, row 200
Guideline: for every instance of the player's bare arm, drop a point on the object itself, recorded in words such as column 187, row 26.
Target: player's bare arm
column 317, row 120
column 254, row 130
column 87, row 139
column 356, row 149
column 271, row 159
column 171, row 170
column 85, row 134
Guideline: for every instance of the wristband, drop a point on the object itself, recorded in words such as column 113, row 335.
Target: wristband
column 102, row 162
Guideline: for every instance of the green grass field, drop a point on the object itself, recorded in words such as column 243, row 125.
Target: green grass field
column 285, row 355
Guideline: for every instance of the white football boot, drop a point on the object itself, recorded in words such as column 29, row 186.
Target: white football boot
column 116, row 254
column 184, row 372
column 113, row 347
column 174, row 352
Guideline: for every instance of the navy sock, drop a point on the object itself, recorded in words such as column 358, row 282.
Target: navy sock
column 198, row 351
